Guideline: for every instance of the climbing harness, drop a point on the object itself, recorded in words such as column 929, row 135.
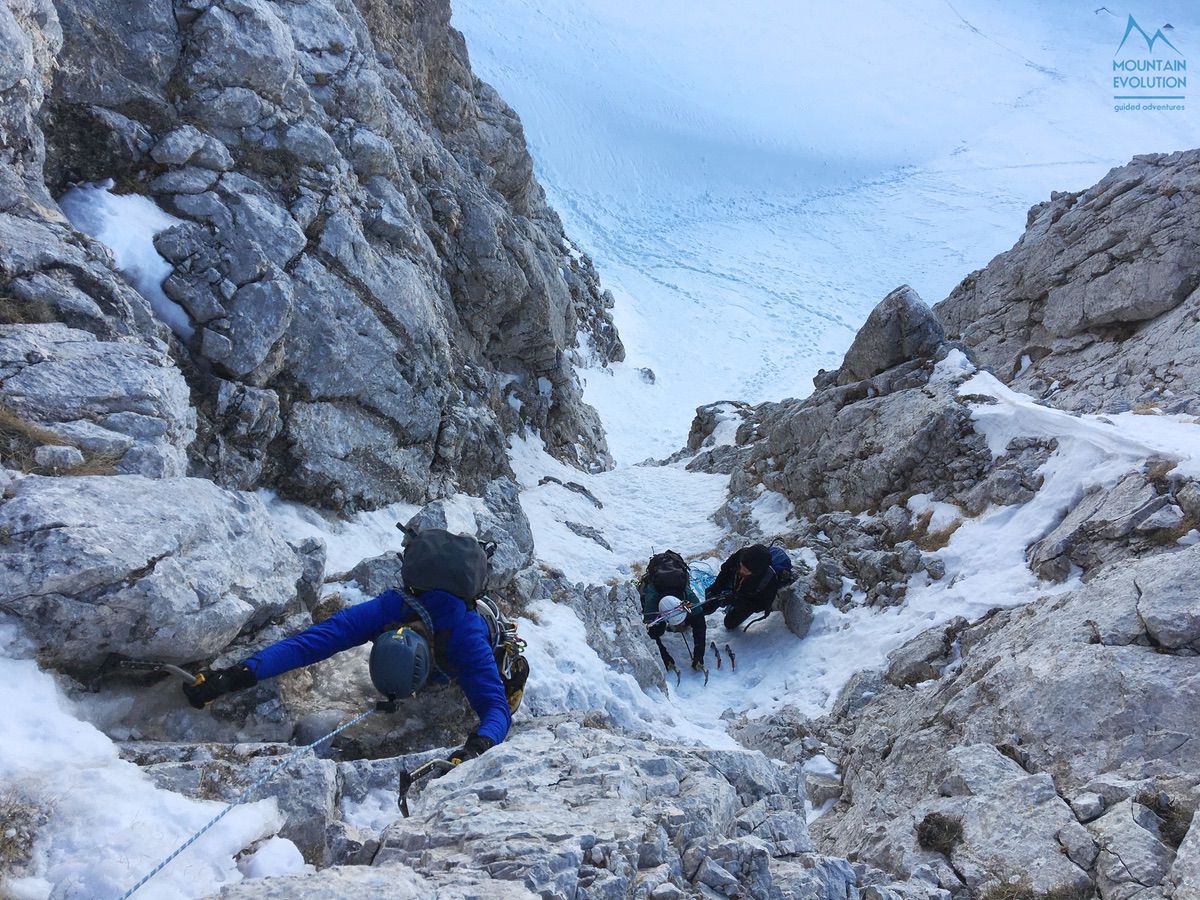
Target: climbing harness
column 245, row 795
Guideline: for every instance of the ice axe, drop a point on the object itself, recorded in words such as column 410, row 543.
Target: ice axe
column 420, row 773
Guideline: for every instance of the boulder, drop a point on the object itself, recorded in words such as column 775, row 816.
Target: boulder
column 901, row 328
column 797, row 612
column 162, row 569
column 1132, row 857
column 306, row 793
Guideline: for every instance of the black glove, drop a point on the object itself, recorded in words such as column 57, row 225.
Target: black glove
column 212, row 683
column 475, row 745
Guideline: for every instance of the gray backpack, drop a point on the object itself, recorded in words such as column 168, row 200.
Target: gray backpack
column 436, row 559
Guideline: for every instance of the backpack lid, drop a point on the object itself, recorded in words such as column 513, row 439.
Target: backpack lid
column 436, row 559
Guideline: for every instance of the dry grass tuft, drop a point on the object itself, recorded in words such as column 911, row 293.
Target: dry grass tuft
column 19, row 438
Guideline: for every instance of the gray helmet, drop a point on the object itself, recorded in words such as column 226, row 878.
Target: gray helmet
column 400, row 662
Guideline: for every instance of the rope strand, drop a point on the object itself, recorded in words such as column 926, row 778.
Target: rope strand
column 243, row 798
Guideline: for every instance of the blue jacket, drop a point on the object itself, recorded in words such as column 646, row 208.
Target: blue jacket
column 467, row 656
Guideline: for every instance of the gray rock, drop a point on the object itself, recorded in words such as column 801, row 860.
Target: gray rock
column 923, row 657
column 899, row 329
column 1087, row 806
column 60, row 377
column 392, row 224
column 1167, row 607
column 1087, row 310
column 1047, row 674
column 1188, row 498
column 379, row 573
column 1131, row 857
column 867, row 445
column 169, row 570
column 1106, row 526
column 306, row 792
column 57, row 457
column 797, row 613
column 1184, row 876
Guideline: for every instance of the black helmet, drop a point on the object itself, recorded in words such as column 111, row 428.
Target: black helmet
column 400, row 662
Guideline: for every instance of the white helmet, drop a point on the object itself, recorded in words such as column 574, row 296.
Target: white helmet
column 673, row 610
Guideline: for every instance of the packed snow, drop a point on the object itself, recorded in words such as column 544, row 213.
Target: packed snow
column 752, row 178
column 636, row 510
column 126, row 224
column 107, row 824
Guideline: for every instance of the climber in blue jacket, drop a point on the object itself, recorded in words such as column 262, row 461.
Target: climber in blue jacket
column 404, row 627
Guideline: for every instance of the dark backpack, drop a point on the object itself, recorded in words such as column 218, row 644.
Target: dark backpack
column 435, row 559
column 668, row 572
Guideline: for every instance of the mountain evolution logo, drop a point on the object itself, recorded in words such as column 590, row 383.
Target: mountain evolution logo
column 1150, row 79
column 1150, row 41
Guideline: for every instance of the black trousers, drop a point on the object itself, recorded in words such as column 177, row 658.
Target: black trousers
column 741, row 610
column 699, row 638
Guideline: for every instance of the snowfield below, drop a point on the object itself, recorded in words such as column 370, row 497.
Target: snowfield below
column 751, row 179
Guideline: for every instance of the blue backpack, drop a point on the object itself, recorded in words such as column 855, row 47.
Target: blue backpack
column 781, row 563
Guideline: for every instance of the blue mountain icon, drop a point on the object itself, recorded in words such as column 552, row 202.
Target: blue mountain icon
column 1150, row 41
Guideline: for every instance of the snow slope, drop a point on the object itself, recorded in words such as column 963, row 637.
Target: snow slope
column 751, row 178
column 985, row 564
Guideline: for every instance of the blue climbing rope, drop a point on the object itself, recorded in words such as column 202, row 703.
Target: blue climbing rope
column 702, row 576
column 292, row 757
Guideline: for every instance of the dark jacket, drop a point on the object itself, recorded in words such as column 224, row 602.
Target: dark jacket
column 755, row 593
column 461, row 636
column 650, row 597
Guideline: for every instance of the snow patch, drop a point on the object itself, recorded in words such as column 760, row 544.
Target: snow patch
column 126, row 224
column 773, row 513
column 942, row 515
column 276, row 856
column 645, row 509
column 565, row 673
column 347, row 541
column 109, row 824
column 953, row 367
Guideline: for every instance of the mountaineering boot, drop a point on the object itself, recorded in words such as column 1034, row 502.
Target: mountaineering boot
column 699, row 666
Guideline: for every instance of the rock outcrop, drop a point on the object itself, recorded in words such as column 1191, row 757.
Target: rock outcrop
column 125, row 566
column 1096, row 307
column 565, row 811
column 368, row 279
column 1052, row 721
column 120, row 402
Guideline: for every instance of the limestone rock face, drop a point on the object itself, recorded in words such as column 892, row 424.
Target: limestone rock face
column 117, row 400
column 1078, row 697
column 170, row 569
column 370, row 275
column 560, row 810
column 1095, row 307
